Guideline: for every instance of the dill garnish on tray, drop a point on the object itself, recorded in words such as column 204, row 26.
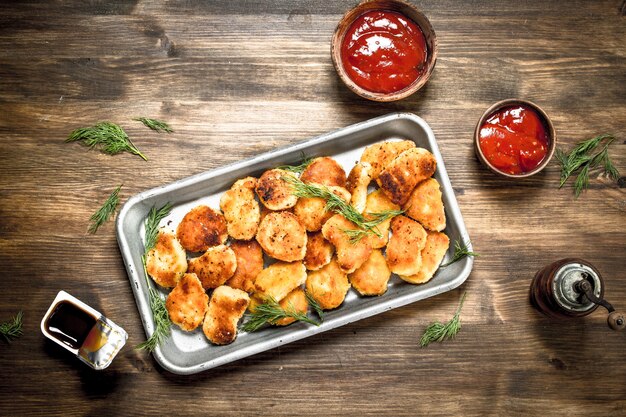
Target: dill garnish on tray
column 335, row 204
column 270, row 312
column 162, row 322
column 461, row 250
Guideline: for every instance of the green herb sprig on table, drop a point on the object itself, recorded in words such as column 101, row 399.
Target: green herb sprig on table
column 461, row 250
column 106, row 211
column 160, row 315
column 583, row 159
column 335, row 204
column 12, row 329
column 106, row 136
column 438, row 332
column 270, row 312
column 154, row 124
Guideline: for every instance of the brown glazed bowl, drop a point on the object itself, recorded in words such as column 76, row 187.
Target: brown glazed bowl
column 401, row 7
column 547, row 124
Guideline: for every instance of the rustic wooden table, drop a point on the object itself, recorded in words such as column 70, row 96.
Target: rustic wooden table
column 237, row 78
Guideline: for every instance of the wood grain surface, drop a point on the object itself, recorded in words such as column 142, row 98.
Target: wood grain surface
column 238, row 78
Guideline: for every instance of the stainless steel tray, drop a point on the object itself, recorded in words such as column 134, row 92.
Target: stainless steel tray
column 187, row 353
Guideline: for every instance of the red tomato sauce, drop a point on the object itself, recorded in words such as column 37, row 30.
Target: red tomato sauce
column 514, row 139
column 384, row 51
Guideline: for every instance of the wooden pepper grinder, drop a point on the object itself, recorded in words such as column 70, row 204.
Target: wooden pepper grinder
column 572, row 288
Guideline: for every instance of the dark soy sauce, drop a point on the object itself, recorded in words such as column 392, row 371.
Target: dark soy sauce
column 70, row 324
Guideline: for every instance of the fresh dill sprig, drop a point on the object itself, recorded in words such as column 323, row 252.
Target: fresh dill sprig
column 335, row 204
column 152, row 224
column 582, row 158
column 371, row 226
column 314, row 305
column 298, row 169
column 438, row 332
column 106, row 211
column 162, row 322
column 461, row 251
column 12, row 329
column 154, row 124
column 108, row 137
column 270, row 312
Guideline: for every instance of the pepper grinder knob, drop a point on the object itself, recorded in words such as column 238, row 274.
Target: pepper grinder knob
column 616, row 321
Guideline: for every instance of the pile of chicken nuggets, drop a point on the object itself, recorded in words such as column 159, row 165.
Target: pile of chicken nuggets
column 264, row 241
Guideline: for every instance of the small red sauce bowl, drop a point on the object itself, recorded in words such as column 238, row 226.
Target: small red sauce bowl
column 409, row 11
column 549, row 127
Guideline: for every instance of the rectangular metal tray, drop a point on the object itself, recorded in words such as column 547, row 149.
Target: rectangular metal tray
column 187, row 353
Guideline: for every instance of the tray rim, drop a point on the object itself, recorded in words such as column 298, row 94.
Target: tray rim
column 385, row 304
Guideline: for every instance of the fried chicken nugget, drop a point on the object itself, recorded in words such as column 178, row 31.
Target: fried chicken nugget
column 226, row 307
column 379, row 155
column 357, row 183
column 319, row 251
column 350, row 255
column 426, row 205
column 324, row 170
column 328, row 286
column 372, row 277
column 311, row 212
column 295, row 300
column 408, row 238
column 402, row 174
column 249, row 263
column 282, row 236
column 187, row 304
column 436, row 247
column 241, row 210
column 378, row 202
column 278, row 280
column 167, row 261
column 201, row 228
column 215, row 266
column 274, row 192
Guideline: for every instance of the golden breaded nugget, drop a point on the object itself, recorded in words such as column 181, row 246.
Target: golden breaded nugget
column 215, row 266
column 311, row 212
column 326, row 171
column 226, row 307
column 357, row 183
column 187, row 304
column 379, row 155
column 350, row 255
column 372, row 277
column 202, row 228
column 241, row 209
column 282, row 236
column 378, row 202
column 408, row 238
column 279, row 279
column 274, row 192
column 402, row 174
column 436, row 247
column 319, row 251
column 426, row 205
column 296, row 301
column 249, row 263
column 328, row 286
column 167, row 261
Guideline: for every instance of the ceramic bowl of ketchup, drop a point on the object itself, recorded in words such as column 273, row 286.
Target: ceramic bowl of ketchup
column 515, row 138
column 384, row 50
